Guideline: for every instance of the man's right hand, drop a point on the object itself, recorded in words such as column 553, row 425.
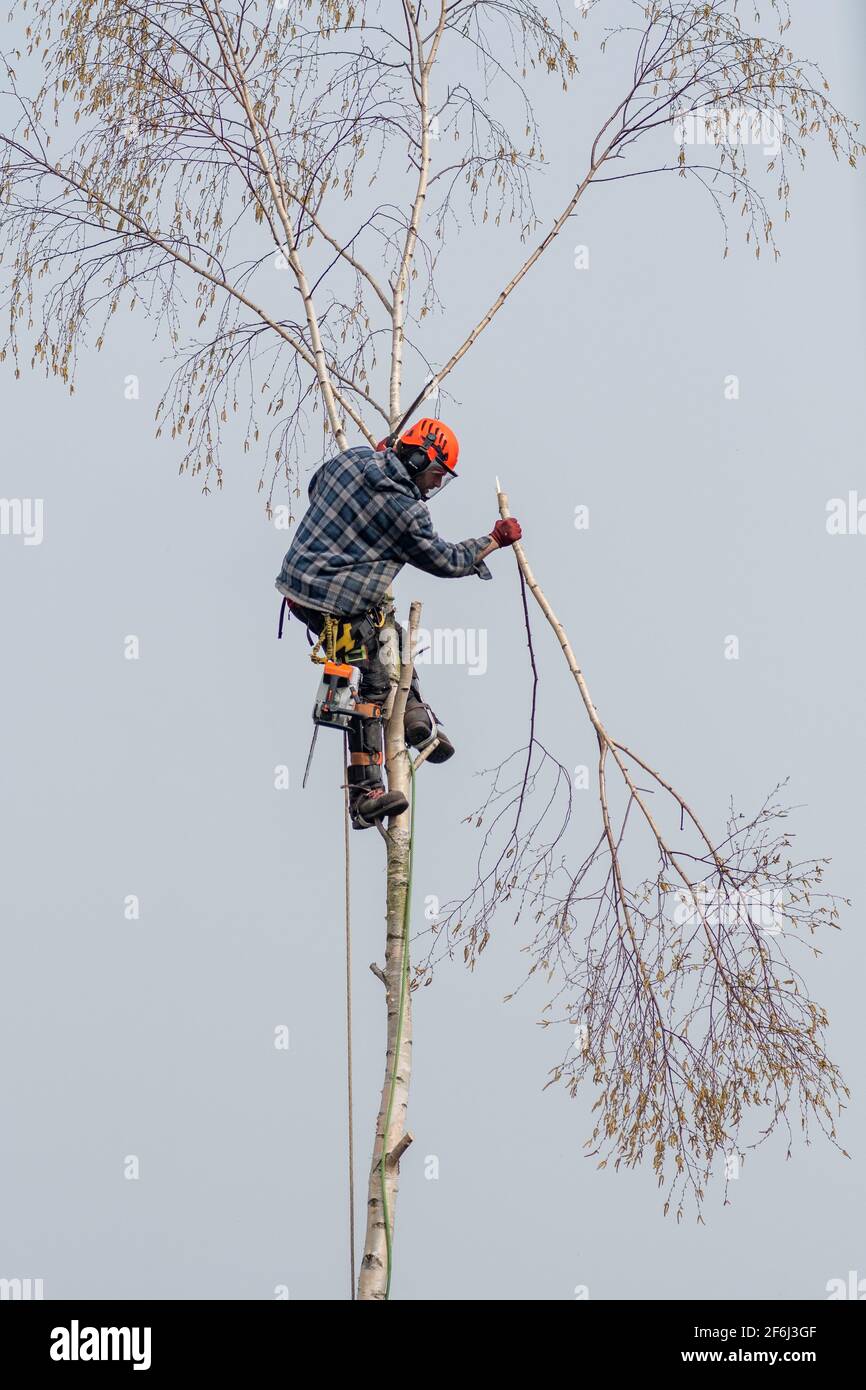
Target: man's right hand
column 506, row 532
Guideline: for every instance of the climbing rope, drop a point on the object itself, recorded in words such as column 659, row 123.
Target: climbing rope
column 404, row 981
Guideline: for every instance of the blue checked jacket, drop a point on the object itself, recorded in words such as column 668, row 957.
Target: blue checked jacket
column 365, row 521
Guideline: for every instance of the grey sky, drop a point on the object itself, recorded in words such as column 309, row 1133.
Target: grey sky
column 154, row 777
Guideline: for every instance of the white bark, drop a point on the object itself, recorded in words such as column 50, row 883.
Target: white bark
column 269, row 165
column 541, row 599
column 373, row 1279
column 421, row 88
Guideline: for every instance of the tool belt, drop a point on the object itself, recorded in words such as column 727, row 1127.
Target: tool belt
column 339, row 637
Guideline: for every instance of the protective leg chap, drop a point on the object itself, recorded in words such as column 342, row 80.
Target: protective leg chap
column 365, row 754
column 368, row 799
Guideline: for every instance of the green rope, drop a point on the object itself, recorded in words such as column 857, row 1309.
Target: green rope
column 404, row 977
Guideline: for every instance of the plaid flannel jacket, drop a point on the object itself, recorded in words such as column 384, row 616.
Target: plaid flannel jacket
column 365, row 521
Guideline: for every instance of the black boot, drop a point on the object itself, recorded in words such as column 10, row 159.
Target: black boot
column 418, row 726
column 368, row 799
column 374, row 803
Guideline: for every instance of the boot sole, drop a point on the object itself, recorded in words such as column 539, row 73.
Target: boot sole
column 366, row 822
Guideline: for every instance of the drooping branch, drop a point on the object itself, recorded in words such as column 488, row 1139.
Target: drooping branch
column 670, row 953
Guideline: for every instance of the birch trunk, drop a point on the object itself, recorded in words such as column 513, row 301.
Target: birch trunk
column 373, row 1281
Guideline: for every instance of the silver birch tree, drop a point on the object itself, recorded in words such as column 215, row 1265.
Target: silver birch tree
column 169, row 156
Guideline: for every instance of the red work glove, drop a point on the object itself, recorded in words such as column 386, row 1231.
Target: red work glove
column 506, row 532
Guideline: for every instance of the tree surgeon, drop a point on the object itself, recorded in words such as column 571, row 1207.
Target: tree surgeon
column 367, row 518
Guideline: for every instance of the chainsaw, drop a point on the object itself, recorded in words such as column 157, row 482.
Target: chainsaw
column 337, row 703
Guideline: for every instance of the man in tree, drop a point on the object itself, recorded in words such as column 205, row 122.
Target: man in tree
column 368, row 518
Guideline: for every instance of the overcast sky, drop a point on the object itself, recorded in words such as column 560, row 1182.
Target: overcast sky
column 154, row 1038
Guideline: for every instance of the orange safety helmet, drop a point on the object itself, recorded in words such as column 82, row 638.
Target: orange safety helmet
column 435, row 439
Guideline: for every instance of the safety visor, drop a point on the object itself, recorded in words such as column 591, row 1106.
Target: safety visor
column 445, row 474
